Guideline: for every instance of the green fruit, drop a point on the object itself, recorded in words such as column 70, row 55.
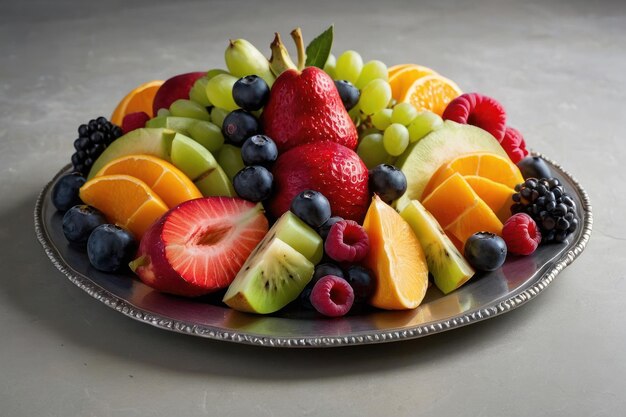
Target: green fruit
column 218, row 115
column 421, row 159
column 448, row 267
column 198, row 92
column 205, row 133
column 272, row 277
column 188, row 108
column 242, row 59
column 297, row 234
column 229, row 158
column 219, row 90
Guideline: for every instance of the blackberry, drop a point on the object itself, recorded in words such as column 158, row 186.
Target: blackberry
column 93, row 138
column 548, row 204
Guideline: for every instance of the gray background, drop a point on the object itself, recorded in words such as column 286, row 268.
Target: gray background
column 559, row 70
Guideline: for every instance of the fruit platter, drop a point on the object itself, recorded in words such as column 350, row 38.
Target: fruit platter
column 309, row 202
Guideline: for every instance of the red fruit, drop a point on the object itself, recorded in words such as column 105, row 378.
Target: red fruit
column 332, row 296
column 514, row 145
column 174, row 89
column 478, row 110
column 347, row 241
column 134, row 121
column 327, row 167
column 306, row 108
column 521, row 234
column 199, row 246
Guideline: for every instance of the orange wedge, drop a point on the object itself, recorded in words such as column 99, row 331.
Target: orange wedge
column 403, row 78
column 477, row 218
column 450, row 199
column 395, row 68
column 431, row 92
column 125, row 201
column 396, row 257
column 497, row 196
column 138, row 100
column 167, row 181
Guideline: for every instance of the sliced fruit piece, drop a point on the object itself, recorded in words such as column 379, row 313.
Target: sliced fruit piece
column 200, row 246
column 270, row 279
column 448, row 267
column 167, row 181
column 421, row 159
column 139, row 99
column 450, row 199
column 229, row 158
column 483, row 164
column 173, row 89
column 125, row 201
column 402, row 79
column 396, row 257
column 395, row 68
column 477, row 218
column 431, row 92
column 497, row 196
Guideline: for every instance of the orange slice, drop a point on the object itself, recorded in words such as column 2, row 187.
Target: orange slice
column 395, row 68
column 431, row 92
column 167, row 181
column 483, row 164
column 396, row 257
column 497, row 196
column 450, row 199
column 138, row 100
column 477, row 218
column 402, row 79
column 125, row 201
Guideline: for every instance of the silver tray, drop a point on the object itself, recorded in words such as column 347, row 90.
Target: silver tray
column 488, row 295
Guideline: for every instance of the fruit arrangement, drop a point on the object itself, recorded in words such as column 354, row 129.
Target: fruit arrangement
column 330, row 184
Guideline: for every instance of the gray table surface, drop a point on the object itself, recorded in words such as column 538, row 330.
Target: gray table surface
column 558, row 68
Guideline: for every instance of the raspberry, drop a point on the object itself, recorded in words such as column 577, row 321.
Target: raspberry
column 514, row 145
column 332, row 296
column 478, row 110
column 521, row 234
column 347, row 241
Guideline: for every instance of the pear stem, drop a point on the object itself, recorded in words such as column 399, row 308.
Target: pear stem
column 296, row 35
column 280, row 61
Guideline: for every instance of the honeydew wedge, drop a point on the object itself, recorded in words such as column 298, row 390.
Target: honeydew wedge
column 205, row 133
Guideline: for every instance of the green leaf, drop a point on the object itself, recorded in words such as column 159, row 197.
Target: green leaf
column 318, row 50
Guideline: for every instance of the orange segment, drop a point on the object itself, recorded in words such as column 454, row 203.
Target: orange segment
column 125, row 201
column 137, row 100
column 396, row 257
column 477, row 218
column 497, row 196
column 395, row 68
column 450, row 199
column 403, row 78
column 167, row 181
column 431, row 92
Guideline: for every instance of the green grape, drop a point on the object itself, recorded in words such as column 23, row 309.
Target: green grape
column 371, row 71
column 212, row 73
column 372, row 151
column 218, row 115
column 198, row 92
column 375, row 96
column 162, row 112
column 423, row 124
column 229, row 158
column 382, row 119
column 207, row 135
column 349, row 65
column 219, row 90
column 355, row 114
column 330, row 65
column 403, row 113
column 188, row 108
column 242, row 59
column 396, row 139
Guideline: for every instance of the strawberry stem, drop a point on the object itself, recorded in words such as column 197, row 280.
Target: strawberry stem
column 296, row 35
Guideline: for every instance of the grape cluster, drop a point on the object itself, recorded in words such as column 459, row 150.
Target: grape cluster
column 93, row 138
column 547, row 203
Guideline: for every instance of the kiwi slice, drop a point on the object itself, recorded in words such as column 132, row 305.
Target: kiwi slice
column 273, row 276
column 448, row 267
column 299, row 235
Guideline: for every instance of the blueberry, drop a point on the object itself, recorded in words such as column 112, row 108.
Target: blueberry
column 348, row 92
column 65, row 191
column 253, row 183
column 324, row 269
column 79, row 222
column 388, row 182
column 110, row 247
column 312, row 208
column 259, row 150
column 238, row 126
column 325, row 228
column 305, row 298
column 485, row 251
column 251, row 92
column 534, row 167
column 362, row 282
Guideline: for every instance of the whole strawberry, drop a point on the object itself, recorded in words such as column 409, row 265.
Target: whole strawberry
column 327, row 167
column 305, row 107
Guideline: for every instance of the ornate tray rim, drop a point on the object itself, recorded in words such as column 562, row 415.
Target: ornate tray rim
column 378, row 336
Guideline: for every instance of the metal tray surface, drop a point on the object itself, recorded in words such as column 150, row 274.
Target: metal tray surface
column 485, row 296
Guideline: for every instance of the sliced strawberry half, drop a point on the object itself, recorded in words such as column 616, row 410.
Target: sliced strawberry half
column 199, row 246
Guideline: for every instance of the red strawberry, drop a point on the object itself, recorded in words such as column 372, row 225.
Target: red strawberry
column 478, row 110
column 327, row 167
column 199, row 246
column 134, row 121
column 514, row 145
column 306, row 108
